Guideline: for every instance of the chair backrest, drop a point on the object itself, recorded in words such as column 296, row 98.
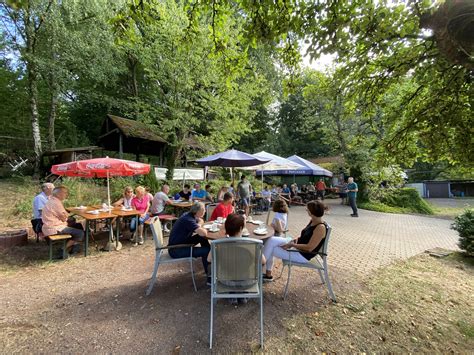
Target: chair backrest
column 324, row 249
column 157, row 232
column 236, row 262
column 270, row 216
column 209, row 210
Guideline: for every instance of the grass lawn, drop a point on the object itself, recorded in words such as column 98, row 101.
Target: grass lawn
column 423, row 304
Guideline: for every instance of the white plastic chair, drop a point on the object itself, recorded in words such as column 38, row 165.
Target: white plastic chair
column 236, row 273
column 162, row 256
column 319, row 262
column 209, row 210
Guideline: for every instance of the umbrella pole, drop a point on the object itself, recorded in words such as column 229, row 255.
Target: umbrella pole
column 262, row 177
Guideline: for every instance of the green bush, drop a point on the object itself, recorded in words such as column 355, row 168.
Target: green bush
column 408, row 199
column 380, row 207
column 464, row 225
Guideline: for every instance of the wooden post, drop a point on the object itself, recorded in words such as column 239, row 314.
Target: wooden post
column 120, row 145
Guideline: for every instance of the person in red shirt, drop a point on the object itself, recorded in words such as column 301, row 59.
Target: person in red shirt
column 224, row 208
column 320, row 189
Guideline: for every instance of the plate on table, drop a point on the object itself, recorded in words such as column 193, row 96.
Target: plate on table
column 260, row 231
column 93, row 212
column 207, row 226
column 126, row 209
column 257, row 222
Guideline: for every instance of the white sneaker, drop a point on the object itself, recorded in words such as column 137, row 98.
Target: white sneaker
column 140, row 241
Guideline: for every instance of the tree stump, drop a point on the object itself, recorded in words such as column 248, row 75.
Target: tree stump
column 13, row 238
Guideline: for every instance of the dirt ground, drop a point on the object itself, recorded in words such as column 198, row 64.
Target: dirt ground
column 98, row 305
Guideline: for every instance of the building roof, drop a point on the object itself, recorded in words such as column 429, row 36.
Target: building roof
column 136, row 129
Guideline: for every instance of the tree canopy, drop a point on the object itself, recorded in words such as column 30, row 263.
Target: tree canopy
column 229, row 74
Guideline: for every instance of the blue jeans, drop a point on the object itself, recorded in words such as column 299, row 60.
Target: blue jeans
column 76, row 232
column 199, row 252
column 141, row 220
column 352, row 202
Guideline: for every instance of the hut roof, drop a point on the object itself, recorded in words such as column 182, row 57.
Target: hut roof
column 136, row 129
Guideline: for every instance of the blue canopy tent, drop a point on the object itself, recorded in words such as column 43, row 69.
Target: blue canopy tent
column 308, row 169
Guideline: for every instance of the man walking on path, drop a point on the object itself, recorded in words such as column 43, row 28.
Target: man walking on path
column 352, row 195
column 320, row 189
column 244, row 189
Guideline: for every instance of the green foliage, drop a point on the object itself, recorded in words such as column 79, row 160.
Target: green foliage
column 84, row 191
column 380, row 207
column 150, row 181
column 464, row 225
column 407, row 198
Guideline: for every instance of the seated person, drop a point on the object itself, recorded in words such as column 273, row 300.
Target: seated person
column 220, row 194
column 188, row 229
column 38, row 204
column 234, row 225
column 266, row 198
column 294, row 194
column 311, row 188
column 224, row 208
column 160, row 201
column 141, row 203
column 304, row 188
column 310, row 241
column 209, row 197
column 55, row 220
column 285, row 190
column 198, row 194
column 185, row 193
column 280, row 219
column 148, row 193
column 126, row 199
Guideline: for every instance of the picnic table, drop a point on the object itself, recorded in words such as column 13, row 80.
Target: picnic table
column 86, row 213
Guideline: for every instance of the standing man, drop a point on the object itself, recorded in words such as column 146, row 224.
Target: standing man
column 55, row 220
column 244, row 189
column 320, row 189
column 38, row 204
column 352, row 195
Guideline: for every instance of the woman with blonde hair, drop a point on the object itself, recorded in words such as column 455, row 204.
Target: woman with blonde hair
column 141, row 202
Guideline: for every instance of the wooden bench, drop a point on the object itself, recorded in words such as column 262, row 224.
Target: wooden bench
column 58, row 238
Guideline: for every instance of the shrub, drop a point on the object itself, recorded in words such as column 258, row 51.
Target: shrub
column 464, row 225
column 407, row 198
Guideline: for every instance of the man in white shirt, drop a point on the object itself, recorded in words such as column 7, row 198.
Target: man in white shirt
column 160, row 201
column 40, row 200
column 38, row 204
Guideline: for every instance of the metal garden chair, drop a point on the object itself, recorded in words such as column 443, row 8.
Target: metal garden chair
column 209, row 210
column 162, row 256
column 236, row 273
column 319, row 262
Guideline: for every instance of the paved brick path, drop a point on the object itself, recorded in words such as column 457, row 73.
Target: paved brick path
column 375, row 239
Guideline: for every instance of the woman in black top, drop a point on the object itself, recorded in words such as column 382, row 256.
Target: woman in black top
column 310, row 241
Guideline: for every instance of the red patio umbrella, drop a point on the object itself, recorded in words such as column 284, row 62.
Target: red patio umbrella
column 101, row 168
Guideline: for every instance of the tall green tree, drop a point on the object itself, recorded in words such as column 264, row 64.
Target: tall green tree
column 379, row 45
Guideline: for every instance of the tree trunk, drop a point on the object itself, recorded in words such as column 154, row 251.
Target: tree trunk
column 173, row 153
column 132, row 66
column 32, row 76
column 52, row 114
